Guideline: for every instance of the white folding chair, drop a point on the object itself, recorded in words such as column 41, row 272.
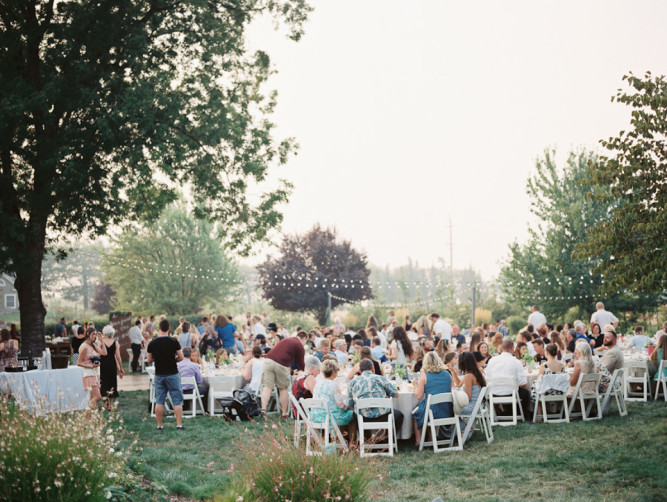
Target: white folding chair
column 636, row 374
column 615, row 389
column 436, row 423
column 479, row 415
column 300, row 419
column 512, row 398
column 328, row 428
column 582, row 397
column 389, row 425
column 661, row 379
column 548, row 382
column 218, row 390
column 194, row 396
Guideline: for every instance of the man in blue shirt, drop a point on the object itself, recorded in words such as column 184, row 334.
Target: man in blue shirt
column 61, row 329
column 640, row 340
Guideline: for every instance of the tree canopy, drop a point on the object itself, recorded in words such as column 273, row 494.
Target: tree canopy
column 173, row 266
column 629, row 245
column 109, row 107
column 311, row 266
column 543, row 271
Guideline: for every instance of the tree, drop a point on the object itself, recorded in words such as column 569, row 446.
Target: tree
column 311, row 266
column 543, row 271
column 108, row 107
column 74, row 275
column 629, row 246
column 174, row 266
column 104, row 298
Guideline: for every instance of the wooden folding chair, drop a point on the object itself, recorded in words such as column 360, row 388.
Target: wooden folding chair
column 436, row 423
column 389, row 425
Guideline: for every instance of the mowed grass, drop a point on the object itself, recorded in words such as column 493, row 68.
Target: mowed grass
column 616, row 458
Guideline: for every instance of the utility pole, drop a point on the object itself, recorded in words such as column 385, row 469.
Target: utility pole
column 451, row 252
column 328, row 309
column 474, row 287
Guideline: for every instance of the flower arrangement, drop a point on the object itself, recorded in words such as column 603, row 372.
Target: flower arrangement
column 399, row 371
column 527, row 357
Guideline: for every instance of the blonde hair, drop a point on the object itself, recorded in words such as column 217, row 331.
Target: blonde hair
column 432, row 363
column 328, row 367
column 586, row 355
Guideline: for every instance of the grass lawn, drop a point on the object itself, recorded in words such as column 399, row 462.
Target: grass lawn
column 612, row 459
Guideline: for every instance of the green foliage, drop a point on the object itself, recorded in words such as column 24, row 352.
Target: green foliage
column 172, row 266
column 516, row 323
column 295, row 281
column 72, row 276
column 629, row 245
column 271, row 468
column 543, row 270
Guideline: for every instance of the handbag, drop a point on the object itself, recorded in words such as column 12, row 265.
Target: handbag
column 460, row 399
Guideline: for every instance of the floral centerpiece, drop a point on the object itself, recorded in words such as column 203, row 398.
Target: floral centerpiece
column 399, row 371
column 528, row 359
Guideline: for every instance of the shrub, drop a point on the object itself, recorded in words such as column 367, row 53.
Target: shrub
column 61, row 456
column 515, row 323
column 482, row 315
column 271, row 468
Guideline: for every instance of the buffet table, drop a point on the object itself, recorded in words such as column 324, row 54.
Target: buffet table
column 46, row 391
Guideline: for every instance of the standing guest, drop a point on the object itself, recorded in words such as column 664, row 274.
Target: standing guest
column 640, row 340
column 536, row 318
column 304, row 384
column 328, row 391
column 658, row 355
column 76, row 344
column 338, row 327
column 8, row 351
column 407, row 325
column 60, row 330
column 506, row 365
column 340, row 351
column 433, row 379
column 473, row 381
column 282, row 332
column 185, row 337
column 225, row 331
column 276, row 370
column 583, row 364
column 273, row 333
column 503, row 329
column 166, row 352
column 266, row 320
column 75, row 328
column 441, row 328
column 371, row 322
column 612, row 357
column 188, row 368
column 603, row 317
column 149, row 328
column 136, row 339
column 253, row 370
column 596, row 335
column 111, row 367
column 401, row 348
column 372, row 385
column 257, row 326
column 202, row 325
column 90, row 354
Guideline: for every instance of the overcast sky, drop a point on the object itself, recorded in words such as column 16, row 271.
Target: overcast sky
column 411, row 112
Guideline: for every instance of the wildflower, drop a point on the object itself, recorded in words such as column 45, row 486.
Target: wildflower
column 109, row 495
column 239, row 498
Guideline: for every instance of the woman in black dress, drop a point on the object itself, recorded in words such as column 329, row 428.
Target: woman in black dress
column 111, row 368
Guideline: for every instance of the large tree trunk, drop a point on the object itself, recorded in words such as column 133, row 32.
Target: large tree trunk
column 28, row 285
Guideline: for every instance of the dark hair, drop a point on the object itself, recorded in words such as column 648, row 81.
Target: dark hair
column 639, row 329
column 362, row 333
column 89, row 332
column 468, row 364
column 552, row 349
column 204, row 319
column 185, row 327
column 401, row 336
column 436, row 315
column 517, row 351
column 80, row 331
column 359, row 342
column 164, row 325
column 559, row 328
column 257, row 351
column 449, row 356
column 302, row 335
column 538, row 341
column 376, row 340
column 365, row 365
column 221, row 321
column 475, row 340
column 137, row 322
column 4, row 335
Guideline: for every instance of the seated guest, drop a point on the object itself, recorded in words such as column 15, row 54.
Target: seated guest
column 253, row 370
column 658, row 355
column 8, row 351
column 557, row 340
column 325, row 348
column 612, row 358
column 540, row 356
column 596, row 335
column 376, row 349
column 260, row 341
column 473, row 381
column 441, row 348
column 369, row 385
column 417, row 359
column 456, row 335
column 186, row 368
column 196, row 358
column 483, row 349
column 583, row 364
column 479, row 359
column 527, row 338
column 328, row 391
column 496, row 342
column 304, row 383
column 506, row 365
column 640, row 340
column 452, row 365
column 356, row 347
column 433, row 379
column 550, row 366
column 340, row 351
column 570, row 339
column 521, row 349
column 365, row 354
column 580, row 328
column 464, row 347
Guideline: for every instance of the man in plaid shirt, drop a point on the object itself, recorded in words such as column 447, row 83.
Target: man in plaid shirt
column 368, row 385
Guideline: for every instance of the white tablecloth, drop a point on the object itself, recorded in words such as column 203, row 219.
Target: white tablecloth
column 221, row 382
column 46, row 391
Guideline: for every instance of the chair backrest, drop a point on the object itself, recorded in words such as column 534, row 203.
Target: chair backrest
column 444, row 397
column 188, row 381
column 373, row 402
column 661, row 369
column 311, row 404
column 500, row 382
column 589, row 377
column 215, row 385
column 616, row 379
column 642, row 365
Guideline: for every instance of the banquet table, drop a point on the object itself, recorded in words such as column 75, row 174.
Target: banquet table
column 222, row 378
column 46, row 391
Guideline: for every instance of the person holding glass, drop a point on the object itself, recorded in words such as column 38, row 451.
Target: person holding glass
column 90, row 354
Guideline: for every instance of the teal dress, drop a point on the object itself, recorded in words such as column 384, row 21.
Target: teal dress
column 657, row 366
column 326, row 390
column 436, row 383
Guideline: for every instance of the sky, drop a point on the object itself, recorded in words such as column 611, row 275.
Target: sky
column 412, row 113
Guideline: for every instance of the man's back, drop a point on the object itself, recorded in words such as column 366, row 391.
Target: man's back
column 187, row 368
column 603, row 318
column 164, row 349
column 505, row 365
column 613, row 359
column 640, row 341
column 367, row 385
column 537, row 319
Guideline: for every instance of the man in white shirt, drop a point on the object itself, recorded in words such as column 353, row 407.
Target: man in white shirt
column 282, row 331
column 603, row 317
column 537, row 318
column 441, row 329
column 341, row 351
column 136, row 339
column 257, row 327
column 506, row 365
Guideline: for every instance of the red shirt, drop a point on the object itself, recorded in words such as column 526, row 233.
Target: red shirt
column 287, row 351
